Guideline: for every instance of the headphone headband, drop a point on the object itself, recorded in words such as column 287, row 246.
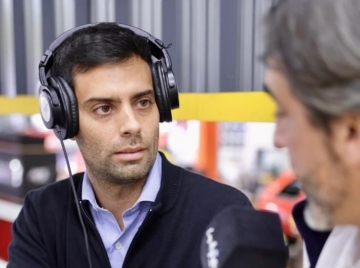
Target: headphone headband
column 49, row 53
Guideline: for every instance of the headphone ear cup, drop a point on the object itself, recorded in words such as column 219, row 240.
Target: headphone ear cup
column 161, row 92
column 50, row 108
column 70, row 121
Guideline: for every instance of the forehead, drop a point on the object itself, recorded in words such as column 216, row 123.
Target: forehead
column 277, row 84
column 119, row 79
column 132, row 69
column 131, row 62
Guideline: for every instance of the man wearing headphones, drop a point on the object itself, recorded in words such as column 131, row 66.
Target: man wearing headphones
column 312, row 53
column 108, row 86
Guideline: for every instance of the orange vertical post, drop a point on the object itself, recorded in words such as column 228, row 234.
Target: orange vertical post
column 207, row 157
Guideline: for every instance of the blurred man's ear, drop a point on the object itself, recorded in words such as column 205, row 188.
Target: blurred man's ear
column 346, row 139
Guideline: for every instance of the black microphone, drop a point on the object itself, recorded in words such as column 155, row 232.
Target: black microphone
column 239, row 237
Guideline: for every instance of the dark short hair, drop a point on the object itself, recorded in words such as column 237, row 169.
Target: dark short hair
column 95, row 45
column 316, row 45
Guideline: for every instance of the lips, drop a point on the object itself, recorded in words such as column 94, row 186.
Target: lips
column 130, row 150
column 130, row 154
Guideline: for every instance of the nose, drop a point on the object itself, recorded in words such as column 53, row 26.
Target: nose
column 129, row 123
column 279, row 138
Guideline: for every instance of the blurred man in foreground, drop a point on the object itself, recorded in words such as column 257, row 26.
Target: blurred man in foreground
column 312, row 54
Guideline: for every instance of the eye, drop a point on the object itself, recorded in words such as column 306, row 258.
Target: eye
column 145, row 103
column 280, row 113
column 105, row 109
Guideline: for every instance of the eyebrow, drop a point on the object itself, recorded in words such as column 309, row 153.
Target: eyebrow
column 135, row 96
column 143, row 93
column 266, row 89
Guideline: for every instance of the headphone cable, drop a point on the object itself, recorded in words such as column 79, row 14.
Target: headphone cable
column 76, row 198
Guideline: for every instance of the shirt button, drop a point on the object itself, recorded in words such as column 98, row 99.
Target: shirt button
column 118, row 246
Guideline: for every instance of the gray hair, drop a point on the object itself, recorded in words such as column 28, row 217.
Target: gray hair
column 316, row 44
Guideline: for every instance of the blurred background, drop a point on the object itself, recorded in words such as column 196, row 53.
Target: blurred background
column 215, row 49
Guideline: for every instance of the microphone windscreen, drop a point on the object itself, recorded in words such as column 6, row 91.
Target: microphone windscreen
column 240, row 237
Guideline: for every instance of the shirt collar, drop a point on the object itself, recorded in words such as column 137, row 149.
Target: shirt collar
column 148, row 193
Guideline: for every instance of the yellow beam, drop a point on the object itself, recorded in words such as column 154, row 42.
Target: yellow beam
column 237, row 106
column 21, row 104
column 234, row 106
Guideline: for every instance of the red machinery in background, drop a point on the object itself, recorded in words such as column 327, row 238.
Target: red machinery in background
column 280, row 196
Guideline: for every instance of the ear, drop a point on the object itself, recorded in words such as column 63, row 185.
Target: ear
column 345, row 138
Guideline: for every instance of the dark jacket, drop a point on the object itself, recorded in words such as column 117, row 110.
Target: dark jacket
column 47, row 232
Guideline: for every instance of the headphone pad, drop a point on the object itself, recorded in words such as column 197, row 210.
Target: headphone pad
column 161, row 94
column 70, row 121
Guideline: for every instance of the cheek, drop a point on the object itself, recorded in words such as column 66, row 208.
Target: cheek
column 95, row 129
column 90, row 134
column 92, row 137
column 308, row 155
column 150, row 133
column 301, row 151
column 297, row 158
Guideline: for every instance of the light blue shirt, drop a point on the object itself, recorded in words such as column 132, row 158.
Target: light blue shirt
column 117, row 241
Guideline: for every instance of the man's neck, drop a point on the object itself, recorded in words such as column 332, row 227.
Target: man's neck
column 117, row 197
column 316, row 218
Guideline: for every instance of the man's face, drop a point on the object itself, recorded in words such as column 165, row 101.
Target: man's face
column 119, row 121
column 310, row 150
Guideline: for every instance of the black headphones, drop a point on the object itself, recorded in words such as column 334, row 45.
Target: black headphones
column 58, row 104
